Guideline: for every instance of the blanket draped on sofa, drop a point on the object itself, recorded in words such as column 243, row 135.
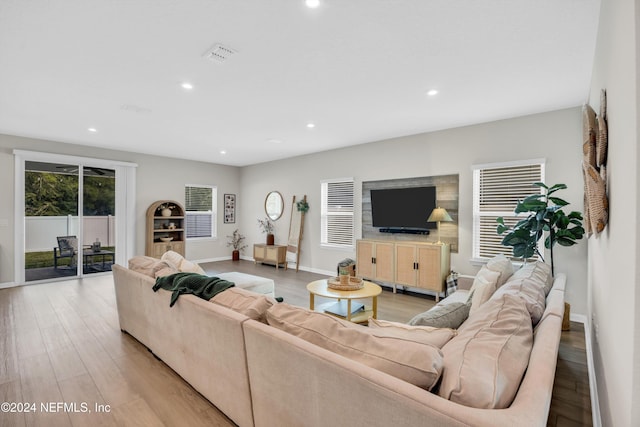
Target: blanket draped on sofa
column 201, row 286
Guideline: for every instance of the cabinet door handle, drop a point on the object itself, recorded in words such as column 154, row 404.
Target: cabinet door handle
column 373, row 260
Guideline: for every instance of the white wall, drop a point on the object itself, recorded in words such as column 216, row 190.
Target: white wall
column 156, row 178
column 555, row 136
column 614, row 256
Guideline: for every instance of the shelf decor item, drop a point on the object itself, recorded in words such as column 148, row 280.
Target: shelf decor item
column 165, row 209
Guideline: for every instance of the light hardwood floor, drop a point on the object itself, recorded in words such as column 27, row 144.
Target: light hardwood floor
column 60, row 343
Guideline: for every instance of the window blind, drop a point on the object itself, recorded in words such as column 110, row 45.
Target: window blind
column 497, row 190
column 337, row 213
column 200, row 202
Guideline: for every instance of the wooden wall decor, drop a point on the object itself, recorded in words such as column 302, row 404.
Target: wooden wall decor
column 594, row 160
column 447, row 196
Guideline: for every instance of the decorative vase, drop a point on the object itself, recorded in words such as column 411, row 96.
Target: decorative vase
column 235, row 255
column 271, row 239
column 165, row 212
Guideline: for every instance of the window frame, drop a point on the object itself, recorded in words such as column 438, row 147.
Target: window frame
column 213, row 213
column 477, row 241
column 325, row 215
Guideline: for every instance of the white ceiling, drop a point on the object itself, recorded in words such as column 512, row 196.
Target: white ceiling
column 358, row 69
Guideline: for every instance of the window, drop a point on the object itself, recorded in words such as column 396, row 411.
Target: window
column 200, row 203
column 337, row 213
column 497, row 188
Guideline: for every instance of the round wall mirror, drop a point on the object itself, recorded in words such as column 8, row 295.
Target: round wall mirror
column 274, row 205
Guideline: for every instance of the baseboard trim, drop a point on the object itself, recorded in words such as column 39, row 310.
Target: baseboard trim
column 8, row 285
column 593, row 389
column 579, row 318
column 591, row 369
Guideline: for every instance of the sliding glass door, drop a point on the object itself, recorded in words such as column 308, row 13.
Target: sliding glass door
column 66, row 234
column 70, row 214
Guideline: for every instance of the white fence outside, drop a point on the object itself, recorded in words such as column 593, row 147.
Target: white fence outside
column 41, row 232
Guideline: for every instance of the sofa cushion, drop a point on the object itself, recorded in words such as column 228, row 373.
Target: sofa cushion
column 461, row 295
column 443, row 316
column 539, row 271
column 249, row 303
column 485, row 363
column 181, row 263
column 484, row 285
column 150, row 266
column 528, row 283
column 422, row 334
column 416, row 363
column 502, row 265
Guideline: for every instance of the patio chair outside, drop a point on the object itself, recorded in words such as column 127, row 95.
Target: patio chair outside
column 67, row 248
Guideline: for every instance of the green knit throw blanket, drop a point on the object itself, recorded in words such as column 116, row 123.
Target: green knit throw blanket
column 199, row 285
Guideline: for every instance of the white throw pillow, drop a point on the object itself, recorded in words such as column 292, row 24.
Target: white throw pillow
column 181, row 263
column 502, row 265
column 484, row 285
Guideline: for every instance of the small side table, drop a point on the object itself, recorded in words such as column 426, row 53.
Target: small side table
column 275, row 254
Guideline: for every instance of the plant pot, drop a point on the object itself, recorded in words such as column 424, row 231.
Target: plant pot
column 271, row 239
column 235, row 255
column 165, row 212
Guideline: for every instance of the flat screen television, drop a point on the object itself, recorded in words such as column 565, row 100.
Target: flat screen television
column 403, row 208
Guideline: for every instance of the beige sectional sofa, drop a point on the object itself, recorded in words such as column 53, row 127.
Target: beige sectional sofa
column 259, row 374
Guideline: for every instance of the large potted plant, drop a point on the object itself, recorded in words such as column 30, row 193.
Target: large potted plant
column 236, row 240
column 545, row 215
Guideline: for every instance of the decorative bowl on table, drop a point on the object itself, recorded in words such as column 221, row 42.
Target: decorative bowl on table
column 166, row 239
column 352, row 284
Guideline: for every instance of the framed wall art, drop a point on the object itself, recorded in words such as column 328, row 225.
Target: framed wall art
column 229, row 208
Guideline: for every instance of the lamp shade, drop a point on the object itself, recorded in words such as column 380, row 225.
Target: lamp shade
column 439, row 214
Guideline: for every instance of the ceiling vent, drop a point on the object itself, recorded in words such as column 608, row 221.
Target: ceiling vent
column 219, row 53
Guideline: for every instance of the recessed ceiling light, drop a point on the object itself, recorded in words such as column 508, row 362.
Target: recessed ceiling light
column 275, row 141
column 92, row 130
column 432, row 92
column 223, row 152
column 311, row 125
column 187, row 86
column 312, row 3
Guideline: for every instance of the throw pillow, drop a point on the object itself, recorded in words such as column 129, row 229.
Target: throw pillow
column 484, row 285
column 502, row 265
column 485, row 363
column 423, row 334
column 528, row 284
column 182, row 264
column 173, row 258
column 443, row 316
column 148, row 266
column 410, row 361
column 249, row 303
column 538, row 271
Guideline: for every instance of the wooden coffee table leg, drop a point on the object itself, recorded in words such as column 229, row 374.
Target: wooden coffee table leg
column 375, row 307
column 311, row 301
column 349, row 309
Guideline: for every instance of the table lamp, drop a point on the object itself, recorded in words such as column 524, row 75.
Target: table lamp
column 437, row 215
